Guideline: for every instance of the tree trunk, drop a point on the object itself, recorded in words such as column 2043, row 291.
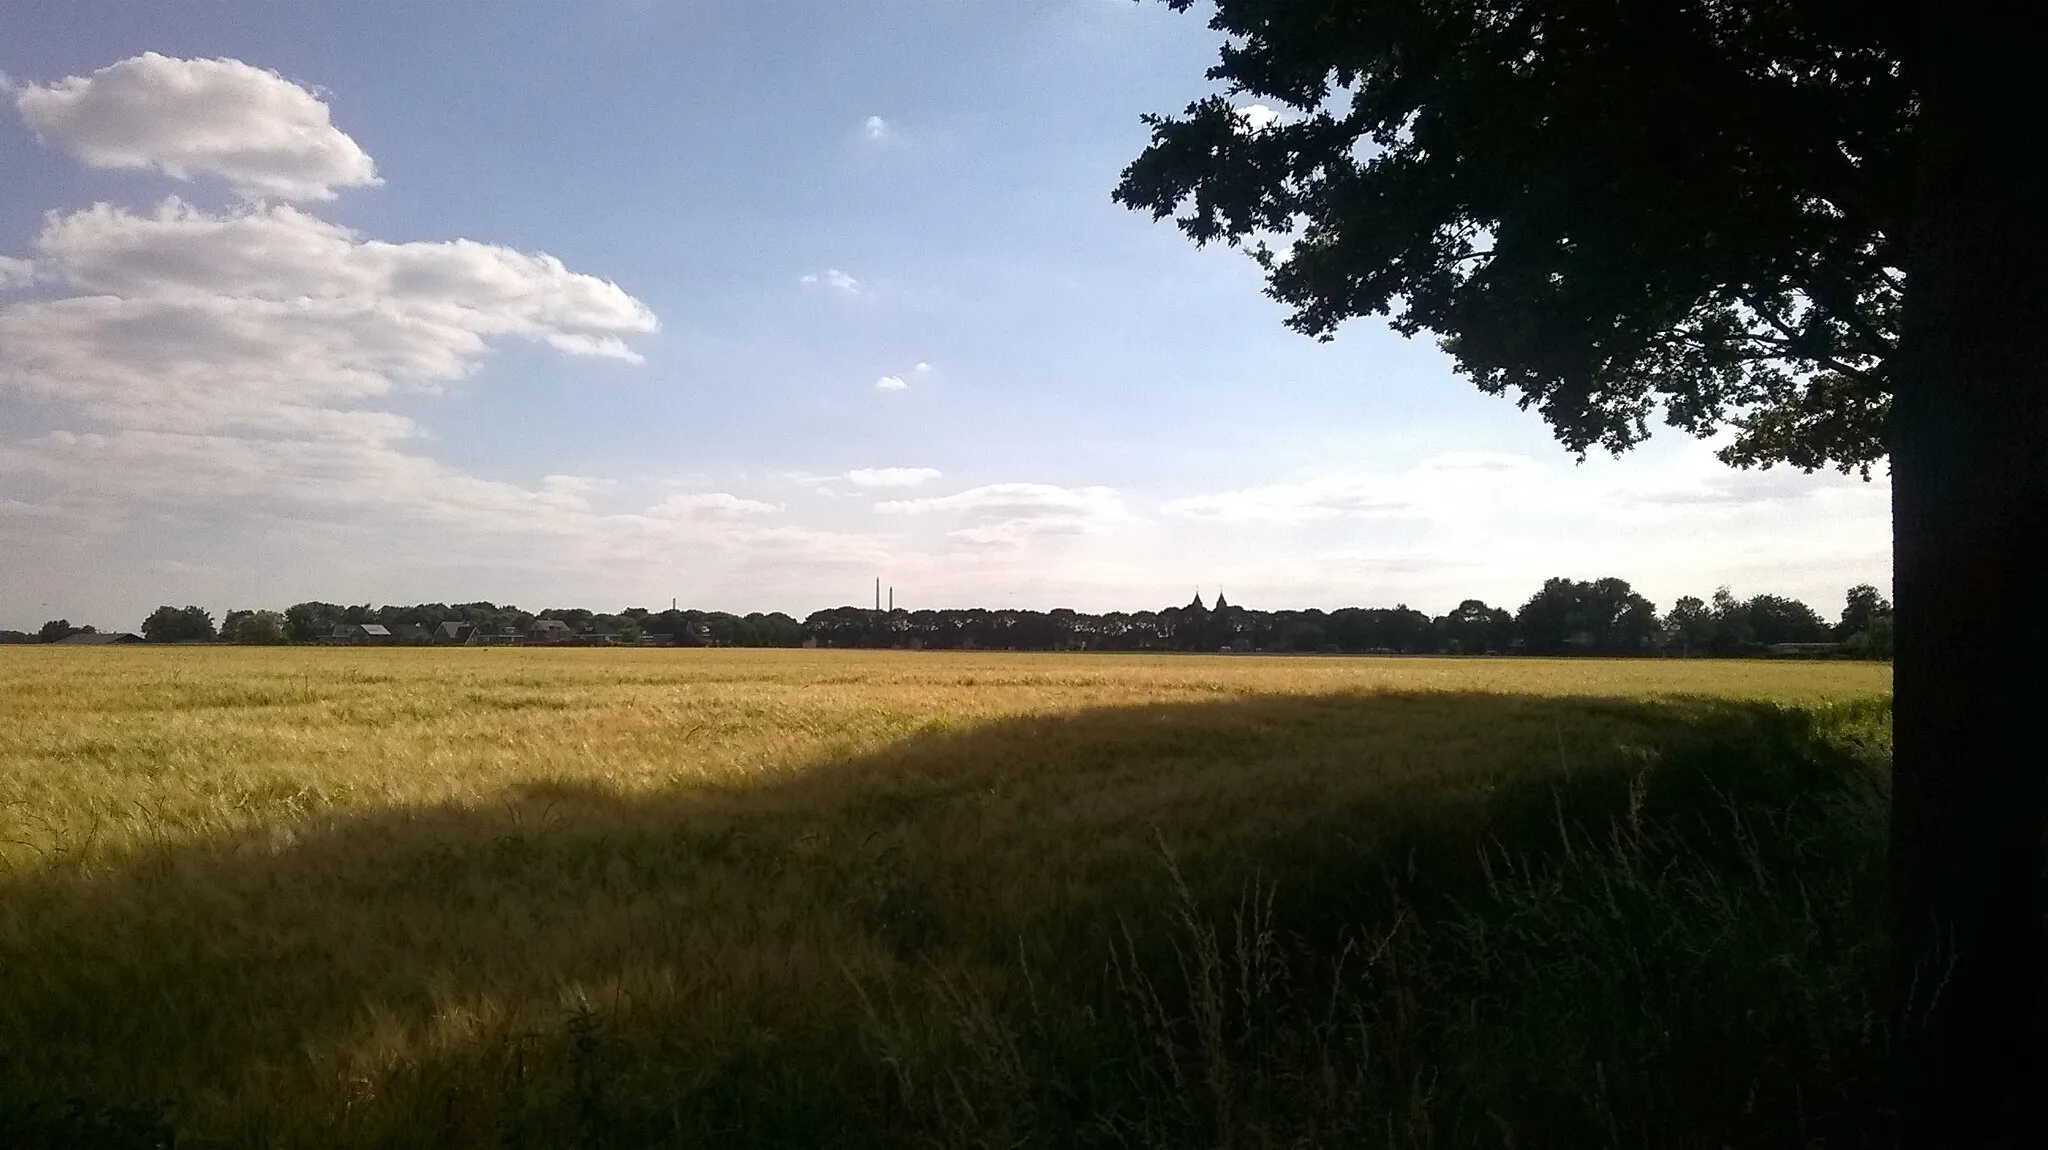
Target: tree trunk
column 1970, row 502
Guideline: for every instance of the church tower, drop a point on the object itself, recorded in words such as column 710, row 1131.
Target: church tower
column 1191, row 630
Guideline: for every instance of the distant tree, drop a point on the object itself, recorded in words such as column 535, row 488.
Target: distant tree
column 1299, row 631
column 1865, row 629
column 1746, row 625
column 1691, row 625
column 57, row 629
column 777, row 629
column 1604, row 616
column 1473, row 628
column 726, row 629
column 9, row 637
column 312, row 621
column 1776, row 619
column 580, row 620
column 1732, row 631
column 178, row 625
column 256, row 628
column 1874, row 641
column 1864, row 606
column 425, row 616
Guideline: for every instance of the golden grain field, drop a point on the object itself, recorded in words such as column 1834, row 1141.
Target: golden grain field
column 348, row 897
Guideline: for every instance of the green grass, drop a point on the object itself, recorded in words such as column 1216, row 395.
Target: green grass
column 529, row 898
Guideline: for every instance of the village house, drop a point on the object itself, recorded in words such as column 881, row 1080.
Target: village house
column 549, row 631
column 363, row 635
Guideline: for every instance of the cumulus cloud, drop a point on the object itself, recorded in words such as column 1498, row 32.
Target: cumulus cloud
column 892, row 383
column 835, row 279
column 270, row 317
column 15, row 272
column 263, row 134
column 238, row 364
column 923, row 367
column 1256, row 118
column 891, row 476
column 875, row 128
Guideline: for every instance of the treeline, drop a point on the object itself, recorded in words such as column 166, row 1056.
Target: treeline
column 1601, row 616
column 315, row 622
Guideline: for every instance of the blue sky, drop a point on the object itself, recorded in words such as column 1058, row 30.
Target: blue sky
column 759, row 301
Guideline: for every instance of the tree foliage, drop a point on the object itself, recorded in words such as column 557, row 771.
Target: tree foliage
column 1608, row 211
column 259, row 628
column 169, row 624
column 1605, row 616
column 1601, row 616
column 57, row 629
column 1865, row 628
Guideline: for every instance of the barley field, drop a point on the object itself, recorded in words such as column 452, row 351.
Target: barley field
column 514, row 897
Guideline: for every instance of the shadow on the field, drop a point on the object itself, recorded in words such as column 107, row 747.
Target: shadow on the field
column 312, row 973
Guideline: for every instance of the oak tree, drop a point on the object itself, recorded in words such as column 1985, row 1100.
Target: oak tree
column 1813, row 228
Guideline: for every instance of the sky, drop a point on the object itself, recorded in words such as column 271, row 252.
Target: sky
column 742, row 304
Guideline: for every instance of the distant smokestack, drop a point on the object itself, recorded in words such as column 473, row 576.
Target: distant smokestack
column 878, row 592
column 892, row 599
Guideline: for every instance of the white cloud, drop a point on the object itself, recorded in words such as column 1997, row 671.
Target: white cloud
column 1670, row 518
column 1291, row 503
column 262, row 133
column 573, row 490
column 835, row 279
column 1256, row 118
column 15, row 272
column 891, row 476
column 1015, row 514
column 269, row 317
column 1008, row 499
column 1730, row 488
column 892, row 383
column 1431, row 484
column 710, row 505
column 875, row 128
column 923, row 368
column 233, row 368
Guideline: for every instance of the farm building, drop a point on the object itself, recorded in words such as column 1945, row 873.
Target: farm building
column 364, row 635
column 549, row 631
column 453, row 632
column 99, row 639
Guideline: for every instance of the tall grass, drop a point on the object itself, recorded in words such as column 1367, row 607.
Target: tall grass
column 711, row 898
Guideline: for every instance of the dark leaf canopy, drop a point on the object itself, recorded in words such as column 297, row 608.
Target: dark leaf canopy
column 1608, row 209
